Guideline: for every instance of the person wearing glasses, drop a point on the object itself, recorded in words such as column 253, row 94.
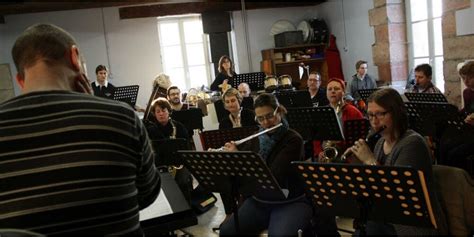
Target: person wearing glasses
column 278, row 148
column 238, row 116
column 399, row 146
column 226, row 73
column 318, row 94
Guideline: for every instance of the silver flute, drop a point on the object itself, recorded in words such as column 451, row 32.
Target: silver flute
column 238, row 142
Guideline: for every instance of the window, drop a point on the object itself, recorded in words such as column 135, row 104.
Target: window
column 184, row 51
column 425, row 36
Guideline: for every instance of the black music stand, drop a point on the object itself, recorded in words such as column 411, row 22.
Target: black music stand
column 391, row 194
column 425, row 117
column 356, row 129
column 365, row 93
column 319, row 123
column 426, row 97
column 218, row 138
column 190, row 118
column 234, row 173
column 291, row 98
column 166, row 150
column 254, row 79
column 127, row 94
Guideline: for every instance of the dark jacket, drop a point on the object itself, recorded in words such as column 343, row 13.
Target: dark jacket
column 219, row 80
column 156, row 131
column 247, row 118
column 105, row 92
column 320, row 98
column 288, row 149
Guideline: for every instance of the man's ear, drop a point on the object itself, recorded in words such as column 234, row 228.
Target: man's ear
column 20, row 80
column 75, row 58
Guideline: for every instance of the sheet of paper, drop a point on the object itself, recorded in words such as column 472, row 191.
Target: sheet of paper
column 161, row 207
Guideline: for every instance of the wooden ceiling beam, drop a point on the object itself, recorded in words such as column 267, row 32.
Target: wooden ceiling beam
column 157, row 10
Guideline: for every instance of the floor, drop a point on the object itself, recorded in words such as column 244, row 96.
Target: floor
column 215, row 216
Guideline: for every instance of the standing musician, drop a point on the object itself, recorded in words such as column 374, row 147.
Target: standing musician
column 399, row 146
column 278, row 148
column 344, row 111
column 226, row 73
column 102, row 87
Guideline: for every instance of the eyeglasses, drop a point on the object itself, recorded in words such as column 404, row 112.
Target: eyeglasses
column 269, row 116
column 378, row 115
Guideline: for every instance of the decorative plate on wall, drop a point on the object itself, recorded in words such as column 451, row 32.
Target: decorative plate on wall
column 307, row 30
column 282, row 26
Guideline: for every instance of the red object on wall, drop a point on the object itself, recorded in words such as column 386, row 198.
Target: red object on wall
column 333, row 59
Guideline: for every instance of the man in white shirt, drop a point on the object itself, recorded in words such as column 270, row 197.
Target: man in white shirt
column 101, row 86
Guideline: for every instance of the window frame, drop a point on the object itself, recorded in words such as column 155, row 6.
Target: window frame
column 431, row 41
column 183, row 45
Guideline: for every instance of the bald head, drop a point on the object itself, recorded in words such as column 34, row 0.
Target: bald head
column 244, row 89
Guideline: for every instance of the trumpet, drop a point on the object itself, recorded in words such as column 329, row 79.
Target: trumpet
column 371, row 140
column 238, row 142
column 330, row 151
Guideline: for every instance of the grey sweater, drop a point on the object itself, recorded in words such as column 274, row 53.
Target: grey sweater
column 412, row 150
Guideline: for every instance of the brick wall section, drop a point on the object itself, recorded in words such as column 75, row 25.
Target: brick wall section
column 456, row 49
column 390, row 51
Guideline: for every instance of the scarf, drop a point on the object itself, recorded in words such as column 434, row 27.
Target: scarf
column 267, row 141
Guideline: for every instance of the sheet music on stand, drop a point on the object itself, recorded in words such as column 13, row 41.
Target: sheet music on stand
column 234, row 173
column 166, row 150
column 292, row 98
column 365, row 93
column 356, row 129
column 424, row 117
column 319, row 123
column 127, row 94
column 391, row 194
column 190, row 118
column 254, row 79
column 426, row 97
column 218, row 138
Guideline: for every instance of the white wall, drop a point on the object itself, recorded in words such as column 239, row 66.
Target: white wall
column 360, row 36
column 132, row 45
column 259, row 23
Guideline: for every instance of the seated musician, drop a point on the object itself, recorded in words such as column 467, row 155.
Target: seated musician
column 360, row 80
column 399, row 146
column 344, row 111
column 455, row 148
column 247, row 99
column 278, row 148
column 423, row 84
column 238, row 116
column 161, row 126
column 317, row 93
column 173, row 94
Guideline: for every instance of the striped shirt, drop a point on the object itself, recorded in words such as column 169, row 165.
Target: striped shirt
column 72, row 163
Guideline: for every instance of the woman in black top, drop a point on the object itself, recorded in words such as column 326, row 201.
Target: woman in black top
column 277, row 148
column 161, row 125
column 238, row 116
column 226, row 73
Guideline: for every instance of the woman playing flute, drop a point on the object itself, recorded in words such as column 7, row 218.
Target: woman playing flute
column 278, row 148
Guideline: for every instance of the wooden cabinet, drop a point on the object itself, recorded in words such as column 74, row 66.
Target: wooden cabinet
column 287, row 60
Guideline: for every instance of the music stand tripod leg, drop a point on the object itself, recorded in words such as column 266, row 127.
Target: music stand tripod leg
column 364, row 209
column 235, row 208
